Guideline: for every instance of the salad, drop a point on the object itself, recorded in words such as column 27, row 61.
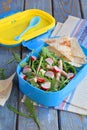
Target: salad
column 47, row 71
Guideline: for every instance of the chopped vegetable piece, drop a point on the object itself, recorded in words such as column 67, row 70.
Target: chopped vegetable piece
column 33, row 58
column 64, row 73
column 46, row 85
column 26, row 69
column 42, row 71
column 49, row 74
column 49, row 67
column 70, row 75
column 40, row 80
column 41, row 59
column 49, row 61
column 56, row 69
column 35, row 79
column 60, row 64
column 58, row 76
column 23, row 64
column 23, row 76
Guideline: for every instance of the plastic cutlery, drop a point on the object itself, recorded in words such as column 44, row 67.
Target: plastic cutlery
column 34, row 21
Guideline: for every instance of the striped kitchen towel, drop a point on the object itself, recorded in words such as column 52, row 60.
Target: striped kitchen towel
column 73, row 27
column 77, row 100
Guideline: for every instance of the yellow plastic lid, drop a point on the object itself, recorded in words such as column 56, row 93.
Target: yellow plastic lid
column 13, row 25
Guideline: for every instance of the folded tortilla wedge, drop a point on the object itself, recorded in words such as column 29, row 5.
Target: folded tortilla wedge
column 69, row 49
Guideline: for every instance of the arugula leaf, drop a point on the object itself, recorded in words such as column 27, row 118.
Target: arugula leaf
column 68, row 68
column 62, row 82
column 2, row 73
column 17, row 112
column 23, row 64
column 30, row 108
column 54, row 85
column 46, row 53
column 30, row 75
column 10, row 60
column 16, row 57
column 41, row 59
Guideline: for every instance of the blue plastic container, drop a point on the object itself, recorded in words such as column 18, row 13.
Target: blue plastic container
column 40, row 96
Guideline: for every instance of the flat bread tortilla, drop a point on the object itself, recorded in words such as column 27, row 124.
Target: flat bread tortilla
column 76, row 49
column 69, row 48
column 63, row 50
column 58, row 53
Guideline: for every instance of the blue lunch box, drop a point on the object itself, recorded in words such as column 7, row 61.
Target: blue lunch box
column 40, row 96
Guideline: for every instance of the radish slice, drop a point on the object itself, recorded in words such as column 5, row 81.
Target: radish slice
column 40, row 80
column 70, row 75
column 46, row 85
column 49, row 74
column 49, row 61
column 33, row 58
column 26, row 66
column 26, row 69
column 56, row 69
column 23, row 76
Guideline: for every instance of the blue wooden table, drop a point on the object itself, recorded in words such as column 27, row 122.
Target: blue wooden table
column 50, row 119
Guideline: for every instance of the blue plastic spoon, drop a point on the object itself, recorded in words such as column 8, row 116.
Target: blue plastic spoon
column 34, row 21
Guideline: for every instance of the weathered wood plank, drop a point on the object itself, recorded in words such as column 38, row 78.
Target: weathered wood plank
column 9, row 5
column 72, row 121
column 84, row 8
column 8, row 118
column 45, row 5
column 63, row 8
column 48, row 118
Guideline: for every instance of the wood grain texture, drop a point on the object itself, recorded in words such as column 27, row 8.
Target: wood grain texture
column 9, row 5
column 48, row 119
column 63, row 8
column 8, row 118
column 45, row 5
column 72, row 121
column 84, row 8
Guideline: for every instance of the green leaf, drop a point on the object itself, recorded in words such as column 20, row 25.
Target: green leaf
column 62, row 83
column 17, row 57
column 68, row 68
column 46, row 53
column 40, row 62
column 31, row 109
column 54, row 85
column 2, row 73
column 10, row 60
column 23, row 64
column 17, row 112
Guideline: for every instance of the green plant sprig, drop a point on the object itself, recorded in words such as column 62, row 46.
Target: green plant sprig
column 2, row 73
column 30, row 109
